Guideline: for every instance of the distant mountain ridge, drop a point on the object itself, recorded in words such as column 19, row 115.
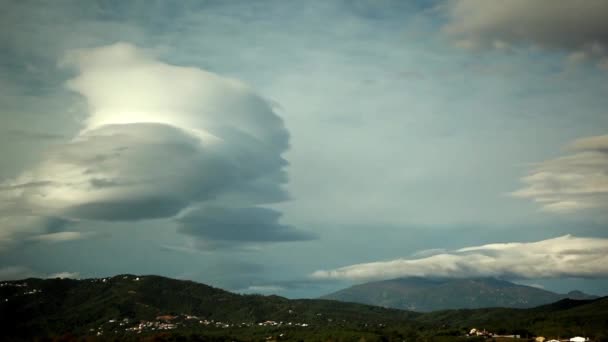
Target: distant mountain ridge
column 424, row 294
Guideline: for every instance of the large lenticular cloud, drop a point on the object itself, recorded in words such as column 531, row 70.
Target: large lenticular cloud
column 159, row 139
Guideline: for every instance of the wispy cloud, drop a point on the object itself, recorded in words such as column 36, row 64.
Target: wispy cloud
column 565, row 256
column 61, row 236
column 578, row 28
column 574, row 182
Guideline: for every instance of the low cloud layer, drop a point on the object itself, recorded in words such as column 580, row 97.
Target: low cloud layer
column 565, row 256
column 579, row 27
column 21, row 272
column 160, row 139
column 574, row 182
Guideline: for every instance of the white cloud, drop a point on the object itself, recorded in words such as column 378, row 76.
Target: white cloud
column 429, row 252
column 158, row 139
column 22, row 272
column 574, row 182
column 64, row 275
column 59, row 236
column 578, row 26
column 565, row 256
column 266, row 289
column 538, row 286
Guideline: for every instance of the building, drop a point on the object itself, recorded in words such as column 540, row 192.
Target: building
column 579, row 339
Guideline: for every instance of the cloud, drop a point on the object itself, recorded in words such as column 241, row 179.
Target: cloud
column 59, row 237
column 238, row 225
column 538, row 286
column 574, row 182
column 65, row 275
column 576, row 26
column 15, row 229
column 565, row 256
column 22, row 272
column 160, row 139
column 19, row 134
column 263, row 289
column 429, row 252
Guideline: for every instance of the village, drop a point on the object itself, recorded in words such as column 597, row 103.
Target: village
column 171, row 322
column 474, row 332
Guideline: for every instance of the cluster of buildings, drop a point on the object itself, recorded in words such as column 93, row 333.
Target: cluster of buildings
column 152, row 326
column 115, row 326
column 30, row 292
column 485, row 333
column 169, row 322
column 105, row 280
column 3, row 284
column 278, row 324
column 573, row 339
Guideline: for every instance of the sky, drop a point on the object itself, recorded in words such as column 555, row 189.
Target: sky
column 295, row 148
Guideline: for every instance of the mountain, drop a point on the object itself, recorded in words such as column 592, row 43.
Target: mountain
column 153, row 308
column 423, row 295
column 52, row 306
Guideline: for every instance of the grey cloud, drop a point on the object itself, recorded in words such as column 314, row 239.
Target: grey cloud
column 228, row 273
column 25, row 185
column 571, row 183
column 229, row 226
column 18, row 134
column 60, row 236
column 576, row 26
column 16, row 230
column 16, row 272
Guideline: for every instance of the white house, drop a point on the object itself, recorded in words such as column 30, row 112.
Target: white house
column 578, row 339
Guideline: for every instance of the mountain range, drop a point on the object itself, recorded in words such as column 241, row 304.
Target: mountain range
column 129, row 307
column 424, row 295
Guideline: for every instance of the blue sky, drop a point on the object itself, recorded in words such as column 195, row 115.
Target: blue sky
column 274, row 147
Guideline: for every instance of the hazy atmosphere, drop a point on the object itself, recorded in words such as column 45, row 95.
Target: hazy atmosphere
column 299, row 147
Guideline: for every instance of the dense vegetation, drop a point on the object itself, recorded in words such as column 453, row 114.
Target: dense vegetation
column 425, row 295
column 76, row 309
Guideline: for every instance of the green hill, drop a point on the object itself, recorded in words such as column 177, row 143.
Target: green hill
column 128, row 307
column 566, row 317
column 56, row 306
column 424, row 295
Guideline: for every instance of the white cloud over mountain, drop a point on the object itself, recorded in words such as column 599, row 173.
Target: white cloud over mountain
column 565, row 256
